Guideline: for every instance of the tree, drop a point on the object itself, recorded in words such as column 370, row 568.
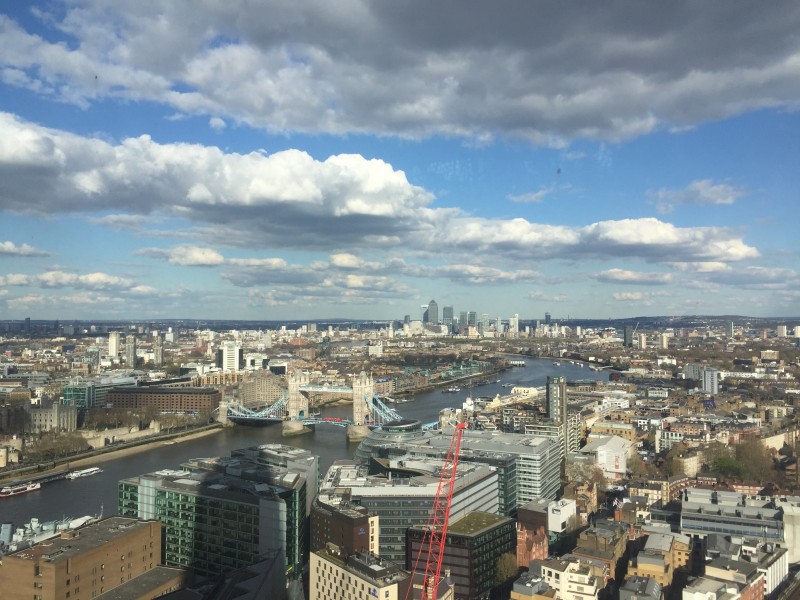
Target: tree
column 505, row 568
column 671, row 466
column 636, row 466
column 574, row 523
column 755, row 459
column 727, row 466
column 715, row 451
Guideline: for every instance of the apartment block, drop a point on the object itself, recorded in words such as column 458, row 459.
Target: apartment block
column 181, row 399
column 570, row 577
column 335, row 576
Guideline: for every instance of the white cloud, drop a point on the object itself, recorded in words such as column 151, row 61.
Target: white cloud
column 60, row 279
column 217, row 124
column 532, row 197
column 628, row 296
column 589, row 70
column 288, row 200
column 698, row 193
column 263, row 263
column 194, row 257
column 25, row 302
column 143, row 290
column 701, row 266
column 541, row 296
column 633, row 277
column 123, row 221
column 8, row 248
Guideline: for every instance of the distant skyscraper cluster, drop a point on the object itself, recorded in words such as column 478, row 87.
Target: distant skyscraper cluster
column 465, row 322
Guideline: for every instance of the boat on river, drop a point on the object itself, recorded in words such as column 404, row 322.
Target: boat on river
column 21, row 488
column 84, row 473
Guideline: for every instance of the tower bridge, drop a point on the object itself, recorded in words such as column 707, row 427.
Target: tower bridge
column 292, row 408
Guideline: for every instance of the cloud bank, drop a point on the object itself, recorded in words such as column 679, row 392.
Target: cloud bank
column 544, row 72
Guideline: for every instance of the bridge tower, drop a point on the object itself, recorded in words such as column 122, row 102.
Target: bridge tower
column 222, row 414
column 297, row 404
column 362, row 392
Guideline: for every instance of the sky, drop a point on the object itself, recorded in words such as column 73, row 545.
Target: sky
column 355, row 159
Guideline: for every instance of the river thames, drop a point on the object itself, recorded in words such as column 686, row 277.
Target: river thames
column 91, row 495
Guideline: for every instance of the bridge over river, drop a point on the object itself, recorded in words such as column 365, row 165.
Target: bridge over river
column 292, row 408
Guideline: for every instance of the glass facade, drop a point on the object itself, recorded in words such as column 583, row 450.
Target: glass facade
column 213, row 527
column 207, row 534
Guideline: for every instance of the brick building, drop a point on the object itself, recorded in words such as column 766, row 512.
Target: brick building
column 117, row 553
column 165, row 399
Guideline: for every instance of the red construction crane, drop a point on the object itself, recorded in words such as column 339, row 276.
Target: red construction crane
column 436, row 531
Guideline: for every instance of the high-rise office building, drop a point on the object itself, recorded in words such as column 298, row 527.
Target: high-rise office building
column 730, row 329
column 113, row 343
column 433, row 313
column 642, row 341
column 472, row 318
column 158, row 351
column 230, row 357
column 628, row 336
column 403, row 502
column 130, row 351
column 221, row 514
column 513, row 325
column 547, row 318
column 782, row 331
column 527, row 466
column 448, row 318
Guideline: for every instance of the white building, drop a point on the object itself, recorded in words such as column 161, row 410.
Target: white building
column 610, row 454
column 711, row 379
column 113, row 343
column 231, row 354
column 559, row 514
column 571, row 578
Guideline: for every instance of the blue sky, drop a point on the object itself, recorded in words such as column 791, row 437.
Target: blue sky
column 197, row 159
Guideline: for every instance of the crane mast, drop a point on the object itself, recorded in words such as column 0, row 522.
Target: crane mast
column 436, row 531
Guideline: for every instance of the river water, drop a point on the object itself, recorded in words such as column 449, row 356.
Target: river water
column 91, row 495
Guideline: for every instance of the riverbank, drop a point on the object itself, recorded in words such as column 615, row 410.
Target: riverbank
column 101, row 455
column 150, row 445
column 447, row 382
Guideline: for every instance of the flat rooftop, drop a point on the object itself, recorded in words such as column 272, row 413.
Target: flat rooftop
column 476, row 522
column 86, row 538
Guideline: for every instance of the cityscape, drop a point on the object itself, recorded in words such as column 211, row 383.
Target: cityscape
column 399, row 300
column 652, row 458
